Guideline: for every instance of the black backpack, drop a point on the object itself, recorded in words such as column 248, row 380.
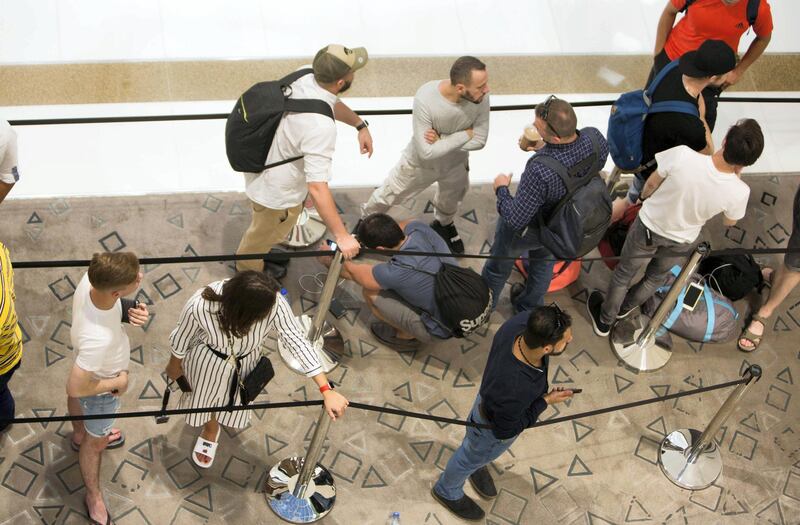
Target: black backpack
column 734, row 276
column 462, row 296
column 752, row 10
column 252, row 124
column 580, row 219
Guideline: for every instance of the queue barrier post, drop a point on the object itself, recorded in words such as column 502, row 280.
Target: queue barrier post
column 299, row 489
column 636, row 346
column 323, row 336
column 691, row 459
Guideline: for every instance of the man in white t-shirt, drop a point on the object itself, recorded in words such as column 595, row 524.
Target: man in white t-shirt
column 100, row 373
column 9, row 173
column 686, row 191
column 277, row 194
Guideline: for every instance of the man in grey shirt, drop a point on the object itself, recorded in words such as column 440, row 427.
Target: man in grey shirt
column 451, row 118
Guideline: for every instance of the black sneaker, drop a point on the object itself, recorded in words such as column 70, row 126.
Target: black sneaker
column 464, row 508
column 277, row 271
column 483, row 483
column 450, row 235
column 594, row 306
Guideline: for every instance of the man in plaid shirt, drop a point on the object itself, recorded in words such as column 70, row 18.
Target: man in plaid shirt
column 539, row 191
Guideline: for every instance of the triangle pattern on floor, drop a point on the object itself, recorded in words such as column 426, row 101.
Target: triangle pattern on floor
column 541, row 480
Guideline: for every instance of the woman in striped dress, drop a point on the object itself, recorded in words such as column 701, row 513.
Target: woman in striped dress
column 233, row 317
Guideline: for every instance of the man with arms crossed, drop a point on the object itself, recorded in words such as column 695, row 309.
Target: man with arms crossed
column 451, row 118
column 100, row 373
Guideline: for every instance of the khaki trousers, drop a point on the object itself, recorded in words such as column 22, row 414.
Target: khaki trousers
column 267, row 228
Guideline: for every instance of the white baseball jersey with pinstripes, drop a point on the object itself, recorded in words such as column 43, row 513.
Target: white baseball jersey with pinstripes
column 210, row 376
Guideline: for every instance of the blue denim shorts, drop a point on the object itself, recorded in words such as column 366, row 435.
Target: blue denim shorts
column 100, row 404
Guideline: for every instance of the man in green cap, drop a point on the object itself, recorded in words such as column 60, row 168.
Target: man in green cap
column 277, row 194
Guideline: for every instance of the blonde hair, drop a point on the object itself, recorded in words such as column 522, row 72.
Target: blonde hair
column 110, row 271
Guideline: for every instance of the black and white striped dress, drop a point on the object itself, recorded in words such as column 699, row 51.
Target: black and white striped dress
column 210, row 376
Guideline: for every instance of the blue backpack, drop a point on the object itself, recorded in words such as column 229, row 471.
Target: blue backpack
column 628, row 114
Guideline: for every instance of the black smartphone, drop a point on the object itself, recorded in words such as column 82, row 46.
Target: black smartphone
column 332, row 244
column 181, row 383
column 576, row 390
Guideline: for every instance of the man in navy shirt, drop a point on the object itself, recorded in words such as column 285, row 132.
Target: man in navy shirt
column 540, row 189
column 513, row 394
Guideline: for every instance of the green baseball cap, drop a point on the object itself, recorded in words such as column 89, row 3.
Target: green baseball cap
column 334, row 61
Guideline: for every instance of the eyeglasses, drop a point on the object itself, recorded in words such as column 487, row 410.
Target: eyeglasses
column 544, row 114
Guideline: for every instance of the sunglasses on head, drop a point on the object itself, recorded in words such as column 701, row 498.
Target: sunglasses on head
column 559, row 318
column 544, row 113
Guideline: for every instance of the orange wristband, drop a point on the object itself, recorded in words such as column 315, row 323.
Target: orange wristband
column 324, row 388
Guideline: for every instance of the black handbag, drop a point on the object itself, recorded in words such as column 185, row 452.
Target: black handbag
column 256, row 380
column 252, row 385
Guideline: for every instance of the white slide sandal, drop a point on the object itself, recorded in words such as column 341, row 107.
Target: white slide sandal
column 207, row 448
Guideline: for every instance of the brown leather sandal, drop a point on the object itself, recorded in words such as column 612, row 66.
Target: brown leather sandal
column 753, row 338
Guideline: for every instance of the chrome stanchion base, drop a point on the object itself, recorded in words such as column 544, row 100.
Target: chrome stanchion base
column 673, row 458
column 329, row 347
column 636, row 356
column 309, row 230
column 319, row 497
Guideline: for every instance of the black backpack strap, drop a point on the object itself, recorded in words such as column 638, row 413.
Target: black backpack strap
column 569, row 176
column 295, row 75
column 308, row 105
column 303, row 105
column 752, row 11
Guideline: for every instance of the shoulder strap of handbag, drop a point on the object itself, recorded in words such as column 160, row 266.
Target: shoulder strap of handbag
column 300, row 105
column 569, row 175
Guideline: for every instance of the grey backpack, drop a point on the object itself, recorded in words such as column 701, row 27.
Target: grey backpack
column 713, row 320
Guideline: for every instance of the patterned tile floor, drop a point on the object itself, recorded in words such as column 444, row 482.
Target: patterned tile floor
column 594, row 471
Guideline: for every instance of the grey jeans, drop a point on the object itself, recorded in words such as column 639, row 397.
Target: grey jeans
column 620, row 297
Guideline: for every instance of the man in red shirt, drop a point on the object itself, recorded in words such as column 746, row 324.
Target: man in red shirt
column 725, row 20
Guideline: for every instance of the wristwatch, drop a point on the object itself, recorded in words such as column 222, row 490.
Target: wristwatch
column 363, row 125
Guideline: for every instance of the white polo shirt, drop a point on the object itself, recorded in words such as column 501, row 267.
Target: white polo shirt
column 309, row 134
column 8, row 153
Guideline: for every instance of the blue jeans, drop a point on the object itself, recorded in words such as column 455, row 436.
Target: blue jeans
column 478, row 449
column 540, row 272
column 95, row 405
column 6, row 399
